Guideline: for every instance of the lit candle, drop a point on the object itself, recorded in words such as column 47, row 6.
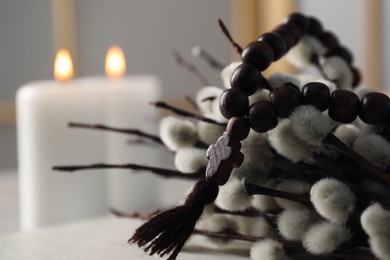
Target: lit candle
column 43, row 110
column 127, row 99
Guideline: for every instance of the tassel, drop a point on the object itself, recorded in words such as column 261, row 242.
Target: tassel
column 167, row 232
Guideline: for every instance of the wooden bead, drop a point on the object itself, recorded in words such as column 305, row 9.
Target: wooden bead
column 262, row 116
column 293, row 86
column 298, row 19
column 276, row 42
column 259, row 54
column 233, row 102
column 238, row 127
column 329, row 40
column 341, row 52
column 374, row 108
column 343, row 106
column 247, row 78
column 294, row 30
column 315, row 27
column 316, row 94
column 285, row 99
column 356, row 77
column 286, row 36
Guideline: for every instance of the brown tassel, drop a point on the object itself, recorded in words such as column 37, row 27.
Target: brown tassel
column 167, row 232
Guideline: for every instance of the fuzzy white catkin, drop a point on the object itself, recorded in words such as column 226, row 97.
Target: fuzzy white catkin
column 282, row 139
column 259, row 95
column 227, row 72
column 375, row 221
column 310, row 125
column 293, row 223
column 209, row 133
column 380, row 246
column 333, row 200
column 258, row 159
column 295, row 187
column 251, row 226
column 190, row 160
column 347, row 133
column 217, row 223
column 360, row 91
column 268, row 249
column 233, row 196
column 374, row 148
column 216, row 113
column 325, row 237
column 266, row 203
column 300, row 55
column 278, row 79
column 337, row 69
column 205, row 98
column 176, row 133
column 196, row 51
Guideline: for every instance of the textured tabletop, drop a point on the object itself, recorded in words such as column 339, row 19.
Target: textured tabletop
column 102, row 238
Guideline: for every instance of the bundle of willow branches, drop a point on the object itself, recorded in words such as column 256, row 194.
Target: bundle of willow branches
column 292, row 164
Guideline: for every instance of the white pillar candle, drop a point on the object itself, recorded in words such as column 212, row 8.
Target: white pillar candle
column 44, row 140
column 127, row 106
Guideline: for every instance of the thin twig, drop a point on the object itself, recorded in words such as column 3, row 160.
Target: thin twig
column 343, row 252
column 228, row 35
column 167, row 173
column 198, row 51
column 134, row 214
column 130, row 131
column 254, row 189
column 181, row 112
column 333, row 141
column 190, row 68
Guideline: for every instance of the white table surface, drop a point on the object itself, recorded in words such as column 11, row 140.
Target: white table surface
column 101, row 238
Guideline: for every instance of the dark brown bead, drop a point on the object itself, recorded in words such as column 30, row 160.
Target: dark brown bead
column 238, row 127
column 285, row 99
column 341, row 52
column 222, row 174
column 262, row 116
column 295, row 31
column 316, row 94
column 329, row 40
column 233, row 102
column 276, row 42
column 286, row 36
column 315, row 27
column 259, row 54
column 357, row 78
column 293, row 86
column 298, row 19
column 374, row 108
column 343, row 106
column 247, row 77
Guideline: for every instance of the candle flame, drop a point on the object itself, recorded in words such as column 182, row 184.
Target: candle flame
column 115, row 62
column 63, row 65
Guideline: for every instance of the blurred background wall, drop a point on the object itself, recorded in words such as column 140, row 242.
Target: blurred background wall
column 148, row 31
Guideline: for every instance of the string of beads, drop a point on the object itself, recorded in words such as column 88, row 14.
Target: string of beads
column 343, row 106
